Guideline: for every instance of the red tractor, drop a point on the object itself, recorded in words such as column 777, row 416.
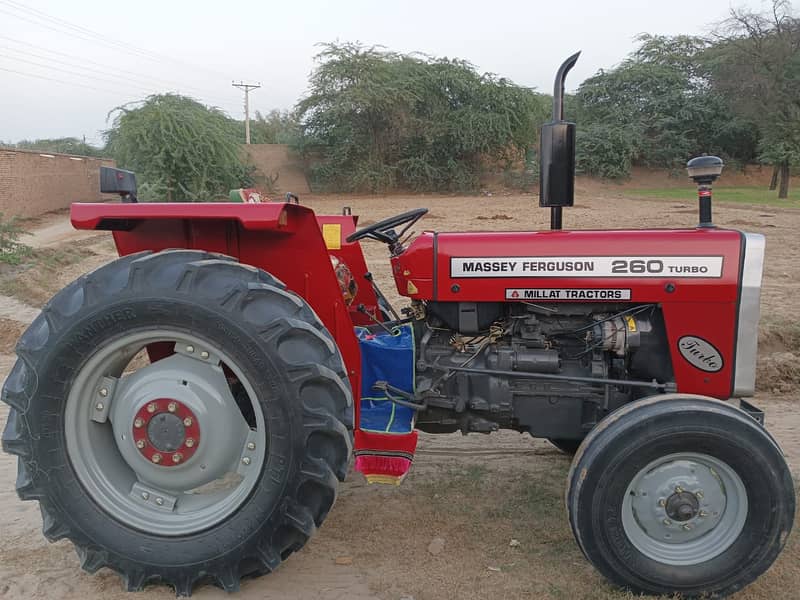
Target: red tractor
column 185, row 413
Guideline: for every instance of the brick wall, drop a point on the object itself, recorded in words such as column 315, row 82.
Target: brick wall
column 33, row 183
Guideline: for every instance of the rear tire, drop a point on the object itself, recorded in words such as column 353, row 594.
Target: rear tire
column 680, row 494
column 273, row 340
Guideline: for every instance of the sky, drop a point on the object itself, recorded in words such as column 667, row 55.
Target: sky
column 65, row 65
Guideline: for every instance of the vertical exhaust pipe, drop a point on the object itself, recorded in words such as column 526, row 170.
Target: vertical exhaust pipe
column 557, row 153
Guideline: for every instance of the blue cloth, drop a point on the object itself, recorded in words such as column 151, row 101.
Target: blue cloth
column 389, row 358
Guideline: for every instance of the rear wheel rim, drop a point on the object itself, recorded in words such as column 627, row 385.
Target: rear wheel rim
column 684, row 509
column 210, row 455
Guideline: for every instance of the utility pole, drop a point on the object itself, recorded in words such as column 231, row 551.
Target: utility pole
column 246, row 87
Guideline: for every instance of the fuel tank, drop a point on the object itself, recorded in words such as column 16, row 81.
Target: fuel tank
column 694, row 275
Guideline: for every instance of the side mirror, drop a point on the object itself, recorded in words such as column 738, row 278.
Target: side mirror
column 118, row 181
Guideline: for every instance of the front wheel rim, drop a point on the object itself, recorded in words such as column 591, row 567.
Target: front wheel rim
column 684, row 509
column 192, row 484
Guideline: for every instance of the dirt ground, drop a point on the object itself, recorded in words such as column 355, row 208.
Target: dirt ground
column 477, row 493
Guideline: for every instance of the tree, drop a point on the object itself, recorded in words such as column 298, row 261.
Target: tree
column 656, row 108
column 276, row 127
column 66, row 145
column 376, row 120
column 756, row 64
column 188, row 150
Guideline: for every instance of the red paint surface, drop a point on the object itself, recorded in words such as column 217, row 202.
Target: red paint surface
column 703, row 307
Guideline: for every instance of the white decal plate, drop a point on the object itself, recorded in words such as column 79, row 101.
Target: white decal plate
column 586, row 266
column 592, row 294
column 700, row 353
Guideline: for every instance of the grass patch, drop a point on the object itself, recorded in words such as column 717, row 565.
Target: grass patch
column 12, row 251
column 737, row 195
column 479, row 509
column 37, row 277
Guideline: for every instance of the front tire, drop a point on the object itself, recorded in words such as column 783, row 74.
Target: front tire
column 223, row 477
column 680, row 494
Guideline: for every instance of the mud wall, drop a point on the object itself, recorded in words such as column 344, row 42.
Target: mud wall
column 278, row 170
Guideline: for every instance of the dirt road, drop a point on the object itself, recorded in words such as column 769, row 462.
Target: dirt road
column 477, row 493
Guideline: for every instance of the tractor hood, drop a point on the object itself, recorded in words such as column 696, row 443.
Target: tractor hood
column 629, row 265
column 707, row 282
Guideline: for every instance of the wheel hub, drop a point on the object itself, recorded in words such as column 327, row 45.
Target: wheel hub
column 152, row 405
column 118, row 419
column 682, row 506
column 166, row 432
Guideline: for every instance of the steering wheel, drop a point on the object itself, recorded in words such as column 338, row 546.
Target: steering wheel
column 383, row 231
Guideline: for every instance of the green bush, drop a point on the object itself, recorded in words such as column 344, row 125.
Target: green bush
column 604, row 151
column 186, row 151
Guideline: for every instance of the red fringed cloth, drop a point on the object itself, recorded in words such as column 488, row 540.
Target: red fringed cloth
column 384, row 458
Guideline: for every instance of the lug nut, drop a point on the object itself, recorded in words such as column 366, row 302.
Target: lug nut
column 190, row 349
column 687, row 527
column 662, row 502
column 99, row 406
column 138, row 422
column 151, row 408
column 188, row 421
column 667, row 522
column 246, row 460
column 140, row 444
column 103, row 392
column 251, row 445
column 189, row 443
column 145, row 496
column 172, row 407
column 177, row 457
column 678, row 489
column 156, row 458
column 159, row 501
column 204, row 354
column 703, row 513
column 699, row 493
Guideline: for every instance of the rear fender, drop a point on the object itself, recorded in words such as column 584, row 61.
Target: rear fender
column 283, row 239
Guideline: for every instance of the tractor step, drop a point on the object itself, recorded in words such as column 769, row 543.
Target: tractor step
column 753, row 411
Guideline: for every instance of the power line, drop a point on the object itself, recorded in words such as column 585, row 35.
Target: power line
column 127, row 79
column 83, row 32
column 147, row 79
column 73, row 34
column 35, row 76
column 61, row 62
column 35, row 17
column 78, row 74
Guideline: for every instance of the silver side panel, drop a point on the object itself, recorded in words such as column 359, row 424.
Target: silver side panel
column 744, row 379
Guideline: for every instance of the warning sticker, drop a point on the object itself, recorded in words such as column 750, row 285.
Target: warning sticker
column 586, row 266
column 567, row 294
column 332, row 234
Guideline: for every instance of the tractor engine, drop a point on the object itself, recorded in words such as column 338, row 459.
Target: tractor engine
column 551, row 370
